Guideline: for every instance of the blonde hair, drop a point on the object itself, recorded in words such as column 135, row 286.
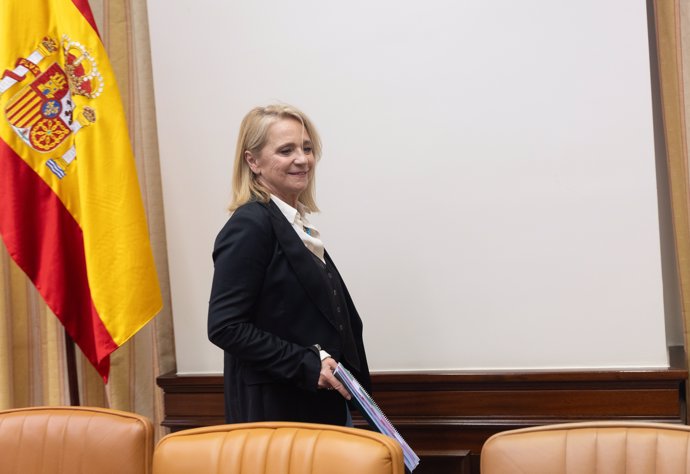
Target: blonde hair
column 253, row 137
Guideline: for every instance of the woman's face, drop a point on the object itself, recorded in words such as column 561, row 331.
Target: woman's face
column 285, row 164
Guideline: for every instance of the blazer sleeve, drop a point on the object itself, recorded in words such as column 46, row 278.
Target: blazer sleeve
column 241, row 255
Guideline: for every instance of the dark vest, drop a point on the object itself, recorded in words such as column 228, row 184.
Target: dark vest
column 341, row 314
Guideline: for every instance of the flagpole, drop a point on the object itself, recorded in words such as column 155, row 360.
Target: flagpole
column 72, row 378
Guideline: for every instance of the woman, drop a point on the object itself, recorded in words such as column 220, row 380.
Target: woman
column 278, row 306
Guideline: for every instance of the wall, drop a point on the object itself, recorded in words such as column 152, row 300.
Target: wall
column 487, row 187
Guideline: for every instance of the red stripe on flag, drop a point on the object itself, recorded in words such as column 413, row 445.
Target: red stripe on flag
column 30, row 121
column 23, row 121
column 30, row 98
column 16, row 116
column 18, row 101
column 47, row 243
column 85, row 9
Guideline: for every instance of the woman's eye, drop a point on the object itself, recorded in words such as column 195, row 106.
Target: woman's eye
column 285, row 151
column 307, row 150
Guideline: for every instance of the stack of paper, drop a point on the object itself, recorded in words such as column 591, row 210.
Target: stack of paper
column 373, row 414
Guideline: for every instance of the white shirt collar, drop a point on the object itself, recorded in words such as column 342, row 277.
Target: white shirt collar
column 288, row 211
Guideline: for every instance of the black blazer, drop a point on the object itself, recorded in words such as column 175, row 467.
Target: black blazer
column 269, row 305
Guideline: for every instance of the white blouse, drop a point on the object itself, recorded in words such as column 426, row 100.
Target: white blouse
column 307, row 232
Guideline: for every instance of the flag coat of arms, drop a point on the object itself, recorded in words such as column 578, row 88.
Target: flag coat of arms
column 71, row 213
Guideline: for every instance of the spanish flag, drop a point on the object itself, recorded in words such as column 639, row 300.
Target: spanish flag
column 71, row 214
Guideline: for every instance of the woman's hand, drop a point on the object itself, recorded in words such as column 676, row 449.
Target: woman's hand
column 328, row 381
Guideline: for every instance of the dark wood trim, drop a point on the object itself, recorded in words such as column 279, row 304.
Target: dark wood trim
column 445, row 415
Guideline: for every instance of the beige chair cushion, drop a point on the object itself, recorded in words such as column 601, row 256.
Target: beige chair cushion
column 277, row 448
column 588, row 448
column 74, row 440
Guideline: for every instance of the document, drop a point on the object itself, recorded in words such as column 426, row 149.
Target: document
column 373, row 414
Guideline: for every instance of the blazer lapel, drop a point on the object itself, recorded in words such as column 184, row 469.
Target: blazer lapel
column 301, row 261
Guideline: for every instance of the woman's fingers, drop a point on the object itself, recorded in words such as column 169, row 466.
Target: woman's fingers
column 329, row 381
column 336, row 385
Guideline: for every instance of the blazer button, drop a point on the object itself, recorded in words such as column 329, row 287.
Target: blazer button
column 340, row 327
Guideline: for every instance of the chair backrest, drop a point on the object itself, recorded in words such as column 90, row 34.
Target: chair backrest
column 277, row 448
column 74, row 440
column 589, row 447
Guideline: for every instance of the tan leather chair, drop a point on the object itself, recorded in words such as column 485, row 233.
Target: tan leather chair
column 277, row 448
column 74, row 440
column 588, row 448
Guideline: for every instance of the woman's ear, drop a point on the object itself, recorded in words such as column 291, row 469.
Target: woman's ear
column 251, row 161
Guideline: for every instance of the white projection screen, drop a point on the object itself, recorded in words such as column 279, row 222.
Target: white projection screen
column 487, row 188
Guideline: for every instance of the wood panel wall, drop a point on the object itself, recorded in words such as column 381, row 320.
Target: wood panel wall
column 447, row 416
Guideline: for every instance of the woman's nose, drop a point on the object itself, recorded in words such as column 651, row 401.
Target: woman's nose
column 300, row 156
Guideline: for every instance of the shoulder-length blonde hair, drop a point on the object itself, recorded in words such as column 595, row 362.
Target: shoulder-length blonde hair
column 253, row 137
